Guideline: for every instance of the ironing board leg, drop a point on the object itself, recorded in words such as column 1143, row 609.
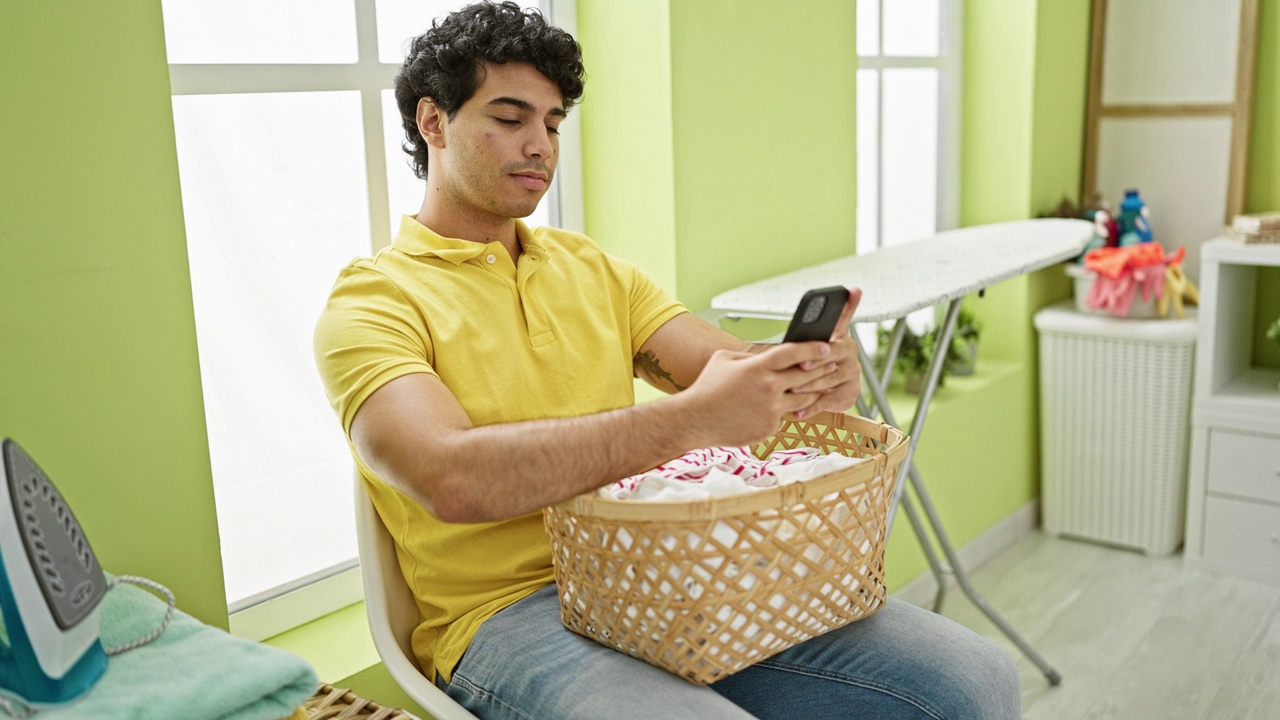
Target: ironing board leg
column 962, row 579
column 908, row 472
column 935, row 564
column 940, row 571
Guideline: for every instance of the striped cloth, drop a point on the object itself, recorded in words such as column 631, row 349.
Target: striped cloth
column 724, row 471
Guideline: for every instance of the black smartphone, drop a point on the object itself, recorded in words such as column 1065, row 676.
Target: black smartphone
column 817, row 314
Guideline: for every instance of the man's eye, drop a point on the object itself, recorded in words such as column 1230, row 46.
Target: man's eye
column 553, row 130
column 505, row 121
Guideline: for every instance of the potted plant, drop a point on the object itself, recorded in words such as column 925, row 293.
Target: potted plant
column 915, row 352
column 962, row 356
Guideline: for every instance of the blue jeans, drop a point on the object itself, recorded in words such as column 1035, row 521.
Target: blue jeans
column 902, row 662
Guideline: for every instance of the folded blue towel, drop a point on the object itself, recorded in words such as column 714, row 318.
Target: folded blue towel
column 191, row 672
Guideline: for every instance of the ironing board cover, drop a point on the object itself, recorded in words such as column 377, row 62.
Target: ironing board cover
column 900, row 279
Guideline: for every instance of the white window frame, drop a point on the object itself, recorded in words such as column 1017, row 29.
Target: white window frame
column 310, row 597
column 948, row 65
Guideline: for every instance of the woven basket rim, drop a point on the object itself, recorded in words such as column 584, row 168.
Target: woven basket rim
column 894, row 447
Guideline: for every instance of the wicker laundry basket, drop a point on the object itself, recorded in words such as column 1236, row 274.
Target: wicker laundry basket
column 332, row 703
column 704, row 589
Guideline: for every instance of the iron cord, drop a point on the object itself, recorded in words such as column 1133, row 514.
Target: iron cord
column 168, row 613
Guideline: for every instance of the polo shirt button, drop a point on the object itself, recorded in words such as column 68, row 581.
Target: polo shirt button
column 490, row 259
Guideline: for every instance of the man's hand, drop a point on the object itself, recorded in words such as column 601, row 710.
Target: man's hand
column 740, row 398
column 837, row 390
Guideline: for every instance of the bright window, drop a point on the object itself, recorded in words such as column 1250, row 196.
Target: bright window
column 908, row 119
column 254, row 32
column 289, row 155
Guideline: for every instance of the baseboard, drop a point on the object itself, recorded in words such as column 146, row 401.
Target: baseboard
column 921, row 590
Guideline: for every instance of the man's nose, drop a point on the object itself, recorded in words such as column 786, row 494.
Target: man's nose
column 541, row 145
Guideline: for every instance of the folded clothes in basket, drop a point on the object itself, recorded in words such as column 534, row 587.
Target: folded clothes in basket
column 714, row 471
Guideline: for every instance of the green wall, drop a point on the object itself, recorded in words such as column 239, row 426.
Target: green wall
column 1264, row 148
column 1025, row 76
column 998, row 93
column 629, row 192
column 1263, row 193
column 765, row 157
column 98, row 366
column 718, row 139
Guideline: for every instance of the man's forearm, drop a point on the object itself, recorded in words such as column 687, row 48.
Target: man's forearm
column 414, row 434
column 500, row 471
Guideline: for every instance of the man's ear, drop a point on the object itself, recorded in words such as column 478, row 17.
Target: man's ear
column 431, row 122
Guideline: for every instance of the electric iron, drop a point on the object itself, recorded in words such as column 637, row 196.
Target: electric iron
column 50, row 590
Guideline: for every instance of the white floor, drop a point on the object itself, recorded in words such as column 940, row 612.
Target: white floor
column 1134, row 637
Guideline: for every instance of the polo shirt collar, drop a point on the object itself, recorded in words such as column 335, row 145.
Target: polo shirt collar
column 414, row 238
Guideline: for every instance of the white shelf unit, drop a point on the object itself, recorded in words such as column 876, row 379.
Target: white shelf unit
column 1233, row 489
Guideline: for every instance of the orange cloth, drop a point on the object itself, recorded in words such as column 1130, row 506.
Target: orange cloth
column 1113, row 261
column 1123, row 271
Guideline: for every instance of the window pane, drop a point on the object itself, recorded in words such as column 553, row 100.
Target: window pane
column 404, row 189
column 869, row 27
column 910, row 155
column 252, row 31
column 911, row 28
column 274, row 208
column 399, row 20
column 868, row 160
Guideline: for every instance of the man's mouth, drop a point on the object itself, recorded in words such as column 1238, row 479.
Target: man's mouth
column 532, row 180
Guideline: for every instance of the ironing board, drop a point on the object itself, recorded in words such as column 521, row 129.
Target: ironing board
column 896, row 281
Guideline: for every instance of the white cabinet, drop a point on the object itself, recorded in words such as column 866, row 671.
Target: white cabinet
column 1233, row 492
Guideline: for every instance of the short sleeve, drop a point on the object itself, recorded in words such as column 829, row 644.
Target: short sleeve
column 368, row 335
column 649, row 305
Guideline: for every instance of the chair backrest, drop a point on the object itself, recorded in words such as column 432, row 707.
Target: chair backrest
column 392, row 612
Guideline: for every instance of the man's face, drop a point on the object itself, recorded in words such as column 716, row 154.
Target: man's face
column 500, row 150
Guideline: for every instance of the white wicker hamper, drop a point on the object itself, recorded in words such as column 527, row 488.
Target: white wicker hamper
column 1115, row 405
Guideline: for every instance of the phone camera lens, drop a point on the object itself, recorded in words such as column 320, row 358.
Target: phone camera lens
column 814, row 309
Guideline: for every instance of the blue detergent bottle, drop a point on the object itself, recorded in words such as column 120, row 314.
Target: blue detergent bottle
column 1135, row 222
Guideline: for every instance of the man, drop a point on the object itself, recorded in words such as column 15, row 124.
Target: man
column 483, row 371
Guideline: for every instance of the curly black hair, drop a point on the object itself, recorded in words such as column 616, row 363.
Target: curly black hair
column 444, row 62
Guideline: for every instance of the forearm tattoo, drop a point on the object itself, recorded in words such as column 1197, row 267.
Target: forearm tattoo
column 647, row 363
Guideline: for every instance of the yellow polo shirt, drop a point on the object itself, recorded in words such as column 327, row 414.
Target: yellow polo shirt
column 552, row 335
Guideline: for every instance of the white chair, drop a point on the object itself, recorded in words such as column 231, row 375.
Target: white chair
column 392, row 612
